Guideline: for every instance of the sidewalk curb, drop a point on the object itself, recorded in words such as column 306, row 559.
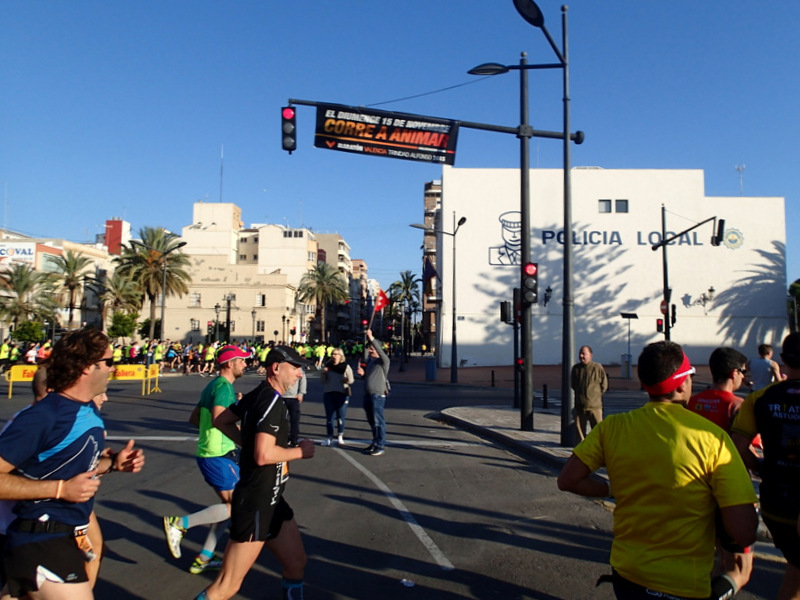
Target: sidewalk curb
column 519, row 445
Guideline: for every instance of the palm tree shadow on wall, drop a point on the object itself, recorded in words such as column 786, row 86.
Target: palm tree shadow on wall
column 597, row 314
column 753, row 295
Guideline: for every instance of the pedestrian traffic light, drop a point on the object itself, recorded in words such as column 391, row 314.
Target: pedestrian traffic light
column 530, row 283
column 520, row 363
column 364, row 323
column 288, row 129
column 293, row 331
column 660, row 325
column 673, row 316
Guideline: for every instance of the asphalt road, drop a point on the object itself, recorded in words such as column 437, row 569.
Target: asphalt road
column 443, row 514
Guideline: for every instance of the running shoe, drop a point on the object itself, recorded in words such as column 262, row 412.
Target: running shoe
column 341, row 441
column 199, row 566
column 376, row 452
column 368, row 449
column 174, row 533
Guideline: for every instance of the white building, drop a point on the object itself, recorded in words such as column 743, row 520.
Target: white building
column 616, row 219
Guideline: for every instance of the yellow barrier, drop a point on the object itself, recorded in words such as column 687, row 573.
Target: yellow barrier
column 147, row 375
column 19, row 373
column 152, row 374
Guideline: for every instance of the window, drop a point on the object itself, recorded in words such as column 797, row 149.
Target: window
column 195, row 324
column 312, row 257
column 243, row 257
column 287, row 234
column 298, row 234
column 195, row 300
column 260, row 326
column 255, row 256
column 621, row 206
column 604, row 206
column 243, row 240
column 233, row 325
column 261, row 299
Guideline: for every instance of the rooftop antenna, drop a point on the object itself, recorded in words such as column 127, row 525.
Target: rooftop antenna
column 740, row 169
column 221, row 166
column 302, row 221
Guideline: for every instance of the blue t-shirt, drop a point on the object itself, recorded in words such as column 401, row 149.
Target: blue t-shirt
column 56, row 438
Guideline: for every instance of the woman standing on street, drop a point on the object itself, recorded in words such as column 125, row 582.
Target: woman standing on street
column 337, row 377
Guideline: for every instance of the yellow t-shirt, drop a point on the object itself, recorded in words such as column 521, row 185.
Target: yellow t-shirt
column 669, row 468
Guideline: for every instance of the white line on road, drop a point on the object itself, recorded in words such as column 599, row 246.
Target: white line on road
column 414, row 443
column 152, row 438
column 421, row 534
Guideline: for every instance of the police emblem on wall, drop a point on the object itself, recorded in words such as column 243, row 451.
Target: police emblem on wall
column 733, row 239
column 511, row 231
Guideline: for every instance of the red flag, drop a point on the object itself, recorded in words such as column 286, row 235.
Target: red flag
column 382, row 301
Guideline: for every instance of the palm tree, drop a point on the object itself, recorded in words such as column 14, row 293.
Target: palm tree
column 146, row 261
column 119, row 293
column 29, row 294
column 71, row 268
column 406, row 292
column 322, row 285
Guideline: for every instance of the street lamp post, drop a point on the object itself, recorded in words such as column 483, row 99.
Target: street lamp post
column 533, row 15
column 253, row 314
column 217, row 308
column 163, row 277
column 454, row 343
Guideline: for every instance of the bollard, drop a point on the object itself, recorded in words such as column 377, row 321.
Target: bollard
column 492, row 377
column 544, row 395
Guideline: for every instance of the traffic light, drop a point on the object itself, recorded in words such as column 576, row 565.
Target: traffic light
column 520, row 364
column 288, row 129
column 505, row 312
column 293, row 331
column 660, row 325
column 674, row 316
column 530, row 284
column 210, row 330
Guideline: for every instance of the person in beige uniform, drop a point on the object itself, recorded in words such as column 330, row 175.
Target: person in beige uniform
column 589, row 382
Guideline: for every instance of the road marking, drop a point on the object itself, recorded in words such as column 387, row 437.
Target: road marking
column 421, row 534
column 152, row 438
column 412, row 443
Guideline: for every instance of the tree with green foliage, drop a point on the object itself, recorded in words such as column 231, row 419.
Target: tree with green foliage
column 323, row 285
column 28, row 294
column 123, row 325
column 794, row 306
column 405, row 291
column 117, row 293
column 29, row 331
column 145, row 262
column 71, row 269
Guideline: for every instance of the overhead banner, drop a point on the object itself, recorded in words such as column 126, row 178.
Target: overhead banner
column 384, row 133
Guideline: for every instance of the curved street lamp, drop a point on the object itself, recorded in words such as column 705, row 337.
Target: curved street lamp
column 529, row 11
column 453, row 343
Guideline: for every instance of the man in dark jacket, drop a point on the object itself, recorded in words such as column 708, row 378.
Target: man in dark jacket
column 375, row 375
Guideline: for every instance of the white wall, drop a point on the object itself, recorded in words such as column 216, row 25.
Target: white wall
column 615, row 269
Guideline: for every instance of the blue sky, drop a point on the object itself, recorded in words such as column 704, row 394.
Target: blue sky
column 119, row 109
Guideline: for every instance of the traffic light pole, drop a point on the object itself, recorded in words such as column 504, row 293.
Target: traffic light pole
column 716, row 239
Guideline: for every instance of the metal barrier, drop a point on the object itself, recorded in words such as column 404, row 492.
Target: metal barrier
column 147, row 375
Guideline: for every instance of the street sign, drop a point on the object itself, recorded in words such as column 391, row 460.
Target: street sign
column 663, row 307
column 383, row 133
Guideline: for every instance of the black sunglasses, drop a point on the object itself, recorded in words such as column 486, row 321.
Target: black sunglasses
column 109, row 361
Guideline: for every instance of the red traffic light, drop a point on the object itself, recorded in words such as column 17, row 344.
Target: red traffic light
column 530, row 269
column 287, row 112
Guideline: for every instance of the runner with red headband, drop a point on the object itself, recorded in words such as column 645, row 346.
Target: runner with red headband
column 669, row 469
